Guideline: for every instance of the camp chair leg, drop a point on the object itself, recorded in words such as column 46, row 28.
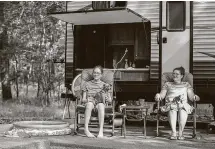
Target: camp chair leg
column 194, row 120
column 68, row 105
column 158, row 124
column 75, row 124
column 75, row 119
column 194, row 124
column 75, row 132
column 113, row 125
column 121, row 130
column 112, row 130
column 194, row 129
column 158, row 117
column 75, row 129
column 144, row 129
column 124, row 126
column 157, row 131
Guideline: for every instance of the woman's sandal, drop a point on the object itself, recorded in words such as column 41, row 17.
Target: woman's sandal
column 173, row 137
column 181, row 138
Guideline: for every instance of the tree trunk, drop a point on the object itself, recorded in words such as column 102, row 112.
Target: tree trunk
column 38, row 88
column 6, row 92
column 58, row 99
column 47, row 99
column 4, row 61
column 17, row 83
column 26, row 82
column 26, row 93
column 6, row 87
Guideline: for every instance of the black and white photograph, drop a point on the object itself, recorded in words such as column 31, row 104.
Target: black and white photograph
column 107, row 74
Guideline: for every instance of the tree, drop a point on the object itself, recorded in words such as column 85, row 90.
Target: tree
column 33, row 39
column 4, row 61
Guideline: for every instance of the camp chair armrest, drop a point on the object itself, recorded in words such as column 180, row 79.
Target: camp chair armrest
column 158, row 104
column 113, row 101
column 78, row 100
column 196, row 98
column 73, row 98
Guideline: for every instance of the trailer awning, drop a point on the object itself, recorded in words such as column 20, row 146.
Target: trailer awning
column 111, row 16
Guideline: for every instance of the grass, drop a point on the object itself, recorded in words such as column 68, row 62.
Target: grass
column 11, row 112
column 30, row 108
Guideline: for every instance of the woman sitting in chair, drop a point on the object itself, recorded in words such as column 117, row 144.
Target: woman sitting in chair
column 176, row 96
column 95, row 93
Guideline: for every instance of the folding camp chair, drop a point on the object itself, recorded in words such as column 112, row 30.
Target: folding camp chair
column 168, row 77
column 110, row 114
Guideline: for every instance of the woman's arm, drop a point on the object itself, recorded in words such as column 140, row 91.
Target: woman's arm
column 162, row 94
column 191, row 95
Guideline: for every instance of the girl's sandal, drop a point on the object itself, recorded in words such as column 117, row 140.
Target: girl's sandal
column 181, row 138
column 173, row 137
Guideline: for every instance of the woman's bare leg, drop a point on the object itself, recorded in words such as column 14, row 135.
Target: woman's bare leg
column 87, row 115
column 172, row 121
column 182, row 119
column 101, row 113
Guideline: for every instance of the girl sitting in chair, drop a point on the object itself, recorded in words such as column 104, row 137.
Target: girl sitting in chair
column 176, row 96
column 95, row 94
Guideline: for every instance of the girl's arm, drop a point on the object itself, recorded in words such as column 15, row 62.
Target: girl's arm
column 84, row 98
column 108, row 97
column 106, row 89
column 84, row 93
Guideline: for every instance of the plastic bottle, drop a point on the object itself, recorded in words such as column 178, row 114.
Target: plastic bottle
column 133, row 65
column 130, row 64
column 126, row 63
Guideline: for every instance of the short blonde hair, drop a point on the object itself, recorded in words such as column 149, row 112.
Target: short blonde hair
column 99, row 67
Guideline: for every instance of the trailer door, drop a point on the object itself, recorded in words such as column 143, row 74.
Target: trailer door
column 175, row 35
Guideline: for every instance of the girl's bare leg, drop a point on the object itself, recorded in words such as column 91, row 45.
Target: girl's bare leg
column 101, row 113
column 182, row 119
column 172, row 121
column 87, row 115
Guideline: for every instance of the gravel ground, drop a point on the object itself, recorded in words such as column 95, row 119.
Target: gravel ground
column 133, row 140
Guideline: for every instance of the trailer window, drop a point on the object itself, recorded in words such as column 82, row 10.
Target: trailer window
column 96, row 5
column 115, row 4
column 175, row 16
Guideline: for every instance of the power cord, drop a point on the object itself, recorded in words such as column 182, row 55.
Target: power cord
column 115, row 70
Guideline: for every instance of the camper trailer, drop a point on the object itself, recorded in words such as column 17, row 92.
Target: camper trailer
column 140, row 40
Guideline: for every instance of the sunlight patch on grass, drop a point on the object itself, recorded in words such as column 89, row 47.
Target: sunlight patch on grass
column 29, row 107
column 11, row 112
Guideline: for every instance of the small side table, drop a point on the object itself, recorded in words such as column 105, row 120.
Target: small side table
column 210, row 126
column 143, row 110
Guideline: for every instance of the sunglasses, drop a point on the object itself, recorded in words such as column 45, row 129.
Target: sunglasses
column 176, row 74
